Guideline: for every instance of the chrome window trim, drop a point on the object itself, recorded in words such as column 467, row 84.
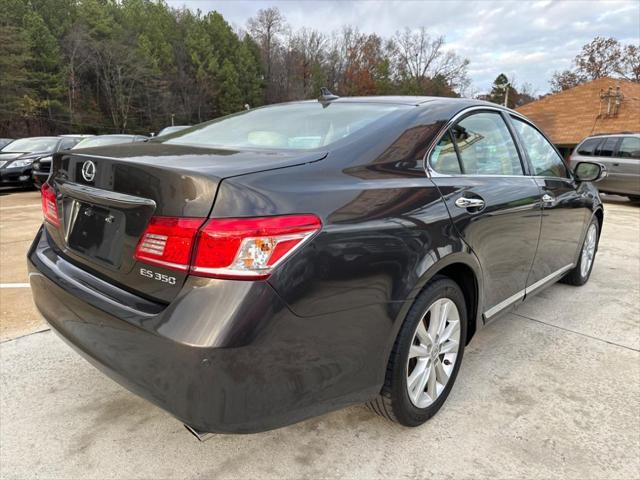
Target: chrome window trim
column 532, row 125
column 491, row 312
column 426, row 164
column 431, row 173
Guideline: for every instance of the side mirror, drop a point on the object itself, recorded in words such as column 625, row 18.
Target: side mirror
column 590, row 172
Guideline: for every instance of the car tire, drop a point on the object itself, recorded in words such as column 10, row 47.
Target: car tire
column 580, row 274
column 442, row 298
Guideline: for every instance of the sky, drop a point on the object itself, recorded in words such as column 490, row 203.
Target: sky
column 527, row 40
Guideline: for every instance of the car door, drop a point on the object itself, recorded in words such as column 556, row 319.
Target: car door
column 604, row 154
column 565, row 209
column 493, row 204
column 626, row 162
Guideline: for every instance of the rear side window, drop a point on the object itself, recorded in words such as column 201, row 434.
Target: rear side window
column 606, row 148
column 587, row 147
column 444, row 158
column 629, row 148
column 545, row 160
column 485, row 146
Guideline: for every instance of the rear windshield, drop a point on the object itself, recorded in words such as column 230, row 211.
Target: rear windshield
column 34, row 144
column 301, row 126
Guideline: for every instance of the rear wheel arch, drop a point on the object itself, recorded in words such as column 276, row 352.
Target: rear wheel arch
column 465, row 277
column 599, row 214
column 465, row 271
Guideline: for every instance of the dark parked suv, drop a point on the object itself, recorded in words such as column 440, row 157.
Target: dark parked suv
column 286, row 261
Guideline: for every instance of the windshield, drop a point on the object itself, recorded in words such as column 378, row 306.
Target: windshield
column 300, row 126
column 35, row 144
column 100, row 141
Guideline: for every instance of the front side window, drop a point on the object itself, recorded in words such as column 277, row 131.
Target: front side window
column 545, row 160
column 587, row 147
column 606, row 148
column 485, row 146
column 297, row 126
column 629, row 147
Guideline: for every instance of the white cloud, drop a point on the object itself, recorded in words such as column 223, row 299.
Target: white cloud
column 528, row 40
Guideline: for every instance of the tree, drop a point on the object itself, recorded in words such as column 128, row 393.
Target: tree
column 526, row 94
column 308, row 46
column 599, row 58
column 498, row 94
column 44, row 63
column 265, row 28
column 231, row 101
column 15, row 57
column 602, row 57
column 419, row 57
column 74, row 46
column 565, row 80
column 250, row 80
column 121, row 75
column 629, row 67
column 100, row 66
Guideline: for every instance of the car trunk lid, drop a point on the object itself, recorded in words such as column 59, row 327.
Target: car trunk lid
column 107, row 195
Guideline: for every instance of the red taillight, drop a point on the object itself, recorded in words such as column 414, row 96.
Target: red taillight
column 241, row 248
column 49, row 204
column 168, row 242
column 250, row 247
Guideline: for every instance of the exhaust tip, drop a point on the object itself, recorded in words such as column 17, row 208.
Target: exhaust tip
column 201, row 436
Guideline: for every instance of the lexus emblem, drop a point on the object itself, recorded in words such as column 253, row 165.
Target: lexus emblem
column 88, row 170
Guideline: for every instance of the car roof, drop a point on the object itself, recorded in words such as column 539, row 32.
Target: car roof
column 42, row 137
column 409, row 100
column 621, row 134
column 119, row 135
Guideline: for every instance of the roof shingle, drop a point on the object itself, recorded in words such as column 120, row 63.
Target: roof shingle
column 571, row 115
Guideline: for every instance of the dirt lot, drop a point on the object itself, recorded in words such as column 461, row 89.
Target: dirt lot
column 552, row 391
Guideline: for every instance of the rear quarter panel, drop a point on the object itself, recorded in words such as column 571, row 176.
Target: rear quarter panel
column 386, row 231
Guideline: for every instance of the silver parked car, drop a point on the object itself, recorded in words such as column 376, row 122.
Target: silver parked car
column 620, row 153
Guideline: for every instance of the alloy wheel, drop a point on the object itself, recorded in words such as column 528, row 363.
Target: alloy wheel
column 588, row 250
column 433, row 352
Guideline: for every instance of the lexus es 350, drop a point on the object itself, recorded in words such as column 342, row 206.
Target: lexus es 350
column 259, row 269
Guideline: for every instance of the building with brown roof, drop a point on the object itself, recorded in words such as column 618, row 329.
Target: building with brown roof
column 605, row 105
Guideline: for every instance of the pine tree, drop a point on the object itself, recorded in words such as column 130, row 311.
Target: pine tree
column 230, row 97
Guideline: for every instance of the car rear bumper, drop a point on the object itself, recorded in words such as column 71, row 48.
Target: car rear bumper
column 225, row 356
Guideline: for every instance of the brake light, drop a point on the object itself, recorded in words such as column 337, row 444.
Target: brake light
column 49, row 204
column 250, row 248
column 240, row 248
column 168, row 242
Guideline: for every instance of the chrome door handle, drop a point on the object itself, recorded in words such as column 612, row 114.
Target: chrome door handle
column 546, row 198
column 464, row 202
